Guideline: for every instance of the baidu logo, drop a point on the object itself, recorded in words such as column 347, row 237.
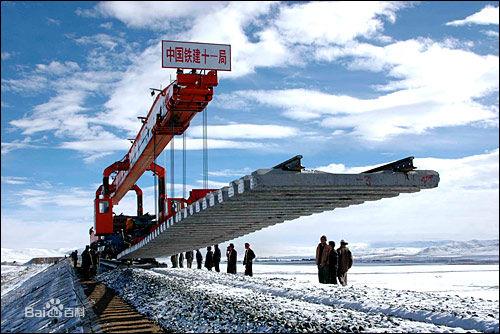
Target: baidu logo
column 54, row 309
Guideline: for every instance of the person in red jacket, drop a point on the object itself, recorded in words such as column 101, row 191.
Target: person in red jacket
column 322, row 259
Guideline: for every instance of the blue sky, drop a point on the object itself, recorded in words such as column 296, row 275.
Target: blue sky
column 345, row 85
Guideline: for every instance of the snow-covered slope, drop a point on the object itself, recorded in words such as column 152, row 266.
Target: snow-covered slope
column 51, row 301
column 14, row 276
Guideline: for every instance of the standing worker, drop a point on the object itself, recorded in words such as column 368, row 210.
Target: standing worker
column 232, row 257
column 199, row 258
column 189, row 258
column 217, row 257
column 181, row 260
column 174, row 259
column 322, row 259
column 86, row 262
column 332, row 263
column 247, row 260
column 209, row 259
column 74, row 257
column 94, row 254
column 345, row 262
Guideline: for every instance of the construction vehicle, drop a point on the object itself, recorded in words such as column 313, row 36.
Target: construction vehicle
column 170, row 115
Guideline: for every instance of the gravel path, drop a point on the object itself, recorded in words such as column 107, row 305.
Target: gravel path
column 199, row 301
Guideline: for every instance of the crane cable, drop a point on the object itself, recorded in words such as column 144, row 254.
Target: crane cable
column 154, row 175
column 205, row 149
column 172, row 157
column 184, row 165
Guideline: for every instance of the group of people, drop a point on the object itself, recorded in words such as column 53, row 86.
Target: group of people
column 213, row 258
column 90, row 261
column 333, row 263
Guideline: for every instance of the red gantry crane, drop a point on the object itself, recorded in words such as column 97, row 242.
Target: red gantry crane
column 170, row 115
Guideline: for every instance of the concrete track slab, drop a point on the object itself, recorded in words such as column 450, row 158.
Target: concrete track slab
column 268, row 197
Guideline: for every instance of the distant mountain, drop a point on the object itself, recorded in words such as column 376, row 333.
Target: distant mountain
column 446, row 251
column 26, row 254
column 462, row 248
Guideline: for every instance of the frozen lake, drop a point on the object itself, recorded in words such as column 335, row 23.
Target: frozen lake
column 478, row 281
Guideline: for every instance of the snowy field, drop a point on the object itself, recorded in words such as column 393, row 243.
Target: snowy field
column 188, row 300
column 479, row 281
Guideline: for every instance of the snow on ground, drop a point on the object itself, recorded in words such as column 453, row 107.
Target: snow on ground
column 14, row 276
column 50, row 301
column 187, row 300
column 26, row 254
column 479, row 281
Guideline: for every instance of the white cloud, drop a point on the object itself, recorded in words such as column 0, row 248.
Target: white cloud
column 213, row 144
column 230, row 172
column 63, row 198
column 16, row 145
column 43, row 233
column 65, row 114
column 107, row 25
column 29, row 84
column 490, row 33
column 326, row 23
column 248, row 131
column 6, row 55
column 58, row 68
column 51, row 21
column 434, row 86
column 108, row 41
column 487, row 15
column 153, row 14
column 213, row 184
column 15, row 180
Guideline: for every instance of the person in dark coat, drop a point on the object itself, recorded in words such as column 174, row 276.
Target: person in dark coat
column 74, row 257
column 175, row 260
column 86, row 262
column 209, row 259
column 199, row 258
column 181, row 260
column 189, row 258
column 94, row 256
column 217, row 257
column 332, row 263
column 232, row 258
column 344, row 262
column 322, row 259
column 247, row 260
